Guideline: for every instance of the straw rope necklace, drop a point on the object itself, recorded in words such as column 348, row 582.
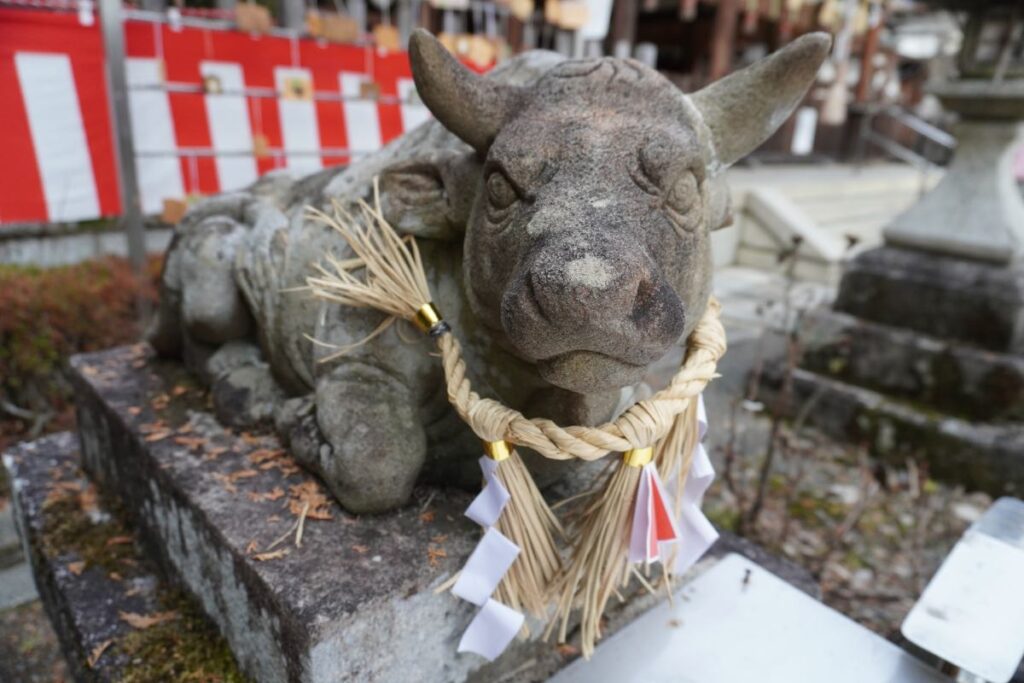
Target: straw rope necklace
column 657, row 437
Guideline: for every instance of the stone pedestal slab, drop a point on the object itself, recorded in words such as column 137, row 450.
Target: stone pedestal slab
column 354, row 601
column 93, row 569
column 947, row 376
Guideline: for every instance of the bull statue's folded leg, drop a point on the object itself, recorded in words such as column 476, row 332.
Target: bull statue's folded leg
column 375, row 440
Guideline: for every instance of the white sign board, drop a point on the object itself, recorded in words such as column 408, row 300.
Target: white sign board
column 972, row 612
column 737, row 623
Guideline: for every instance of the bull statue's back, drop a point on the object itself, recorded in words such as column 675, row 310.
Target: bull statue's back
column 563, row 209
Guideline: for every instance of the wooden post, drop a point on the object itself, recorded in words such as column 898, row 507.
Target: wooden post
column 722, row 38
column 623, row 28
column 876, row 17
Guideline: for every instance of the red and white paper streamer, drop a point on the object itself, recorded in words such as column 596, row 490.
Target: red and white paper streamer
column 656, row 523
column 495, row 625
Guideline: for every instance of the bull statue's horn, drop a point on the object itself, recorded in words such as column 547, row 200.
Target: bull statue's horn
column 470, row 106
column 747, row 106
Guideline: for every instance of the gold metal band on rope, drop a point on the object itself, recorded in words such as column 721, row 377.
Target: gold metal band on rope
column 638, row 457
column 429, row 319
column 497, row 450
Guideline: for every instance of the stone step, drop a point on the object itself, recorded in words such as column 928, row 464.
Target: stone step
column 91, row 573
column 947, row 376
column 981, row 456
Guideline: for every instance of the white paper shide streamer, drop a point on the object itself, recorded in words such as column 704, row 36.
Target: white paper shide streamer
column 697, row 534
column 495, row 625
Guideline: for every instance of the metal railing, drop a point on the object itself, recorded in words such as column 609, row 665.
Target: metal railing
column 932, row 150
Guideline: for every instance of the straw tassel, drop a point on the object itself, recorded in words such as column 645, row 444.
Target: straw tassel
column 394, row 282
column 599, row 562
column 527, row 516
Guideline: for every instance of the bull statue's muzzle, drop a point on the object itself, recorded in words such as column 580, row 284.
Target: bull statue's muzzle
column 591, row 318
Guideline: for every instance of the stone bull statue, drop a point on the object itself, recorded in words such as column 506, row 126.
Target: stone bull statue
column 563, row 208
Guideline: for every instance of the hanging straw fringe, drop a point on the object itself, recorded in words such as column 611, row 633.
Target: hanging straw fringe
column 600, row 561
column 395, row 283
column 527, row 516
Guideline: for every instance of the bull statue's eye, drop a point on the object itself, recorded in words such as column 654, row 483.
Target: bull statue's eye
column 500, row 193
column 682, row 201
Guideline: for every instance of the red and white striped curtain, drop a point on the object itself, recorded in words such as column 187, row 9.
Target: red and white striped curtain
column 56, row 136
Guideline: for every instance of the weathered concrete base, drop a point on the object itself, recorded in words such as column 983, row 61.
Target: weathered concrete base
column 91, row 574
column 88, row 587
column 941, row 296
column 986, row 457
column 355, row 602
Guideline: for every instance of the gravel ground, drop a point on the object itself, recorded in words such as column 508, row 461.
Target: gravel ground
column 29, row 652
column 872, row 536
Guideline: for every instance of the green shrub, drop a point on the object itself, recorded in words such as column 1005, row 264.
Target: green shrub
column 48, row 314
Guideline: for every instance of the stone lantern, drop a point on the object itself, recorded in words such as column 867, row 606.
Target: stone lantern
column 922, row 354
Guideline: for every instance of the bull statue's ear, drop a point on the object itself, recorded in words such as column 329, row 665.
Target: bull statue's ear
column 746, row 107
column 430, row 195
column 470, row 106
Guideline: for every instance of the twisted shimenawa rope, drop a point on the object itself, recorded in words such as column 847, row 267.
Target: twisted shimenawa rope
column 642, row 425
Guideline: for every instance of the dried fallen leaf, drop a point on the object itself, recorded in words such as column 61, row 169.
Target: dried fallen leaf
column 225, row 482
column 134, row 410
column 150, row 427
column 274, row 555
column 440, row 538
column 242, row 474
column 260, row 496
column 114, row 576
column 251, row 439
column 190, row 442
column 568, row 650
column 119, row 540
column 427, row 517
column 142, row 621
column 179, row 390
column 76, row 568
column 361, row 549
column 251, row 548
column 262, row 455
column 157, row 436
column 98, row 651
column 433, row 554
column 214, row 453
column 308, row 493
